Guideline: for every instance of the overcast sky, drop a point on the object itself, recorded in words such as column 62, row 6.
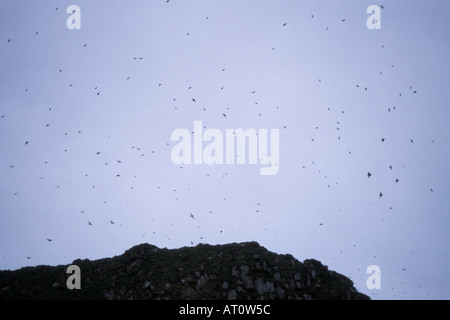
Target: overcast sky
column 85, row 132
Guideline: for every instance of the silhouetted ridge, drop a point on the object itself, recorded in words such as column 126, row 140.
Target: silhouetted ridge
column 232, row 271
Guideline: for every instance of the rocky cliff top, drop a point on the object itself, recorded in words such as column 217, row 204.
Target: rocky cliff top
column 232, row 271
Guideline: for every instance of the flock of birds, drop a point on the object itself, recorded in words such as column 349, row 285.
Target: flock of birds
column 222, row 113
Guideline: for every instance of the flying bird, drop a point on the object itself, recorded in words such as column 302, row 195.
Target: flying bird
column 192, row 216
column 381, row 194
column 369, row 174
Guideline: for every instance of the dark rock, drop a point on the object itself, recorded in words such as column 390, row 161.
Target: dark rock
column 232, row 271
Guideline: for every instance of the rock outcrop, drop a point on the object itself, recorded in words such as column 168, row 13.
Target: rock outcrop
column 232, row 271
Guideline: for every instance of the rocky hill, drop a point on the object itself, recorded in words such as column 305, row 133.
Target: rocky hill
column 232, row 271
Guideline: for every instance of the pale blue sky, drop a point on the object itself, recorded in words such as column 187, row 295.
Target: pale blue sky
column 304, row 76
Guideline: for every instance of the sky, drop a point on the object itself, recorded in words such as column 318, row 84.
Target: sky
column 87, row 116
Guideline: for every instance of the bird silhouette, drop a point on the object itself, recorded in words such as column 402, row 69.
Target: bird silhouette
column 369, row 174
